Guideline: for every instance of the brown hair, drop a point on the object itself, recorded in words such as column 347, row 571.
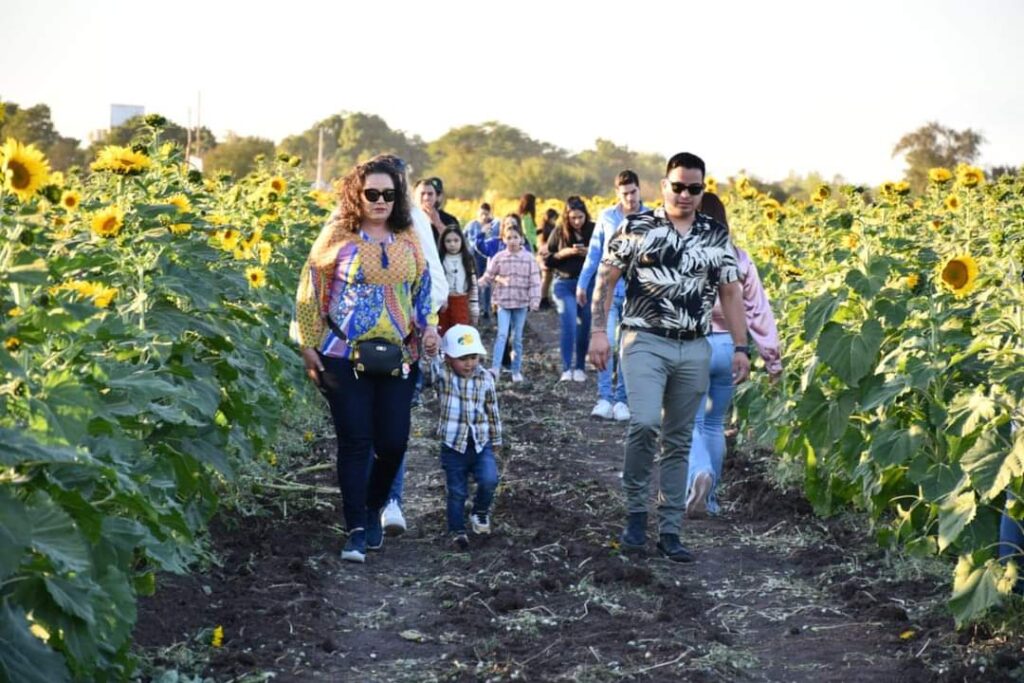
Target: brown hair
column 711, row 205
column 350, row 196
column 573, row 203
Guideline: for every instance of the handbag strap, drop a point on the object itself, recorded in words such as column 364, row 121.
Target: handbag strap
column 343, row 337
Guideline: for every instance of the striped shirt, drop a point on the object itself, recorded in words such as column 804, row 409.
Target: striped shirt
column 469, row 406
column 516, row 279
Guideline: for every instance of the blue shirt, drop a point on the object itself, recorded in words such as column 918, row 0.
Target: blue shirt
column 607, row 223
column 475, row 228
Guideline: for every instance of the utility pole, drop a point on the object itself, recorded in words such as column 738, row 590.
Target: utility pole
column 320, row 161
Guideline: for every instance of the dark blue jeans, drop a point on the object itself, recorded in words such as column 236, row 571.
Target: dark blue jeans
column 457, row 468
column 371, row 415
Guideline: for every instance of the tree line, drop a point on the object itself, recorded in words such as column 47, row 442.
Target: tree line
column 474, row 160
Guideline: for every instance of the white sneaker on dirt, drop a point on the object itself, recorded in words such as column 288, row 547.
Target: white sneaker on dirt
column 603, row 410
column 566, row 376
column 481, row 522
column 517, row 377
column 579, row 376
column 697, row 502
column 393, row 519
column 620, row 412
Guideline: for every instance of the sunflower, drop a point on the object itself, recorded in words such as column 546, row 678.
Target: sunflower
column 960, row 274
column 821, row 193
column 939, row 175
column 102, row 296
column 850, row 240
column 888, row 188
column 278, row 184
column 969, row 176
column 24, row 169
column 180, row 228
column 265, row 252
column 952, row 203
column 12, row 344
column 15, row 312
column 902, row 187
column 711, row 185
column 936, row 224
column 180, row 202
column 771, row 214
column 70, row 200
column 108, row 222
column 911, row 280
column 121, row 160
column 228, row 239
column 256, row 276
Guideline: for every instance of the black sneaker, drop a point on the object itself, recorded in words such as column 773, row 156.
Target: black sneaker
column 460, row 541
column 670, row 547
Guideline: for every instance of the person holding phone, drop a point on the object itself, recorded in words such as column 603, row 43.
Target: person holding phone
column 567, row 250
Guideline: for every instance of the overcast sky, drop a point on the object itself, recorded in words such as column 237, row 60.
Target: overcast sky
column 772, row 87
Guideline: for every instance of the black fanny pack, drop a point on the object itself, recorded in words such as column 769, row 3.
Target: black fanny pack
column 373, row 356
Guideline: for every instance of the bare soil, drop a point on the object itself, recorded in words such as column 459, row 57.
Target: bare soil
column 776, row 594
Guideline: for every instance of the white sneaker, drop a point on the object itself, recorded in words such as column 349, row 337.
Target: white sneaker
column 620, row 412
column 566, row 376
column 579, row 376
column 393, row 519
column 517, row 377
column 603, row 410
column 697, row 502
column 481, row 522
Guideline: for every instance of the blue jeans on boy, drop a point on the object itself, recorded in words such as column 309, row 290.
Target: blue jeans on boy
column 457, row 468
column 575, row 322
column 510, row 321
column 1011, row 542
column 707, row 450
column 610, row 385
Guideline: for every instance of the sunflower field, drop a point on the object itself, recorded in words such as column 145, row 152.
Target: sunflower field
column 144, row 364
column 145, row 367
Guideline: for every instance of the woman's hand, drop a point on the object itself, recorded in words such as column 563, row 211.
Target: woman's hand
column 314, row 366
column 566, row 252
column 431, row 340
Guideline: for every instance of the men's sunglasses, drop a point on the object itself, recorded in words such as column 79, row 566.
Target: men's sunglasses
column 372, row 195
column 693, row 188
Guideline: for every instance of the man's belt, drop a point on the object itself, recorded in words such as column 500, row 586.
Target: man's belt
column 678, row 335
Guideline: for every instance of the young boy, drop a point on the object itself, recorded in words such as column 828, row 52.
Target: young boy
column 470, row 431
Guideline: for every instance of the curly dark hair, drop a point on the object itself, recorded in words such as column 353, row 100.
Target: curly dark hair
column 350, row 196
column 573, row 203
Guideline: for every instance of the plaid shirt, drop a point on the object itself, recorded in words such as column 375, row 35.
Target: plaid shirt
column 520, row 279
column 469, row 405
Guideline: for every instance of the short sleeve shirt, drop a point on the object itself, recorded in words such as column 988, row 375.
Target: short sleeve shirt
column 671, row 279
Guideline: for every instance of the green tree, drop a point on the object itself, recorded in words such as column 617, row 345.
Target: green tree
column 127, row 133
column 34, row 126
column 236, row 155
column 935, row 145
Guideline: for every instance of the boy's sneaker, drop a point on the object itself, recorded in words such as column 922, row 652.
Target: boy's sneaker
column 603, row 410
column 620, row 412
column 481, row 522
column 393, row 519
column 697, row 502
column 579, row 376
column 374, row 530
column 460, row 541
column 566, row 376
column 517, row 377
column 355, row 546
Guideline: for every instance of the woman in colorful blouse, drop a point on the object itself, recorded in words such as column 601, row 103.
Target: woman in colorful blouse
column 366, row 278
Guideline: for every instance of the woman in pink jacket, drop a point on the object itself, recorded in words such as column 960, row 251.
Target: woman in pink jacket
column 708, row 447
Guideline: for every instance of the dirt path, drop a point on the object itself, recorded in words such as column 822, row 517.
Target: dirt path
column 775, row 594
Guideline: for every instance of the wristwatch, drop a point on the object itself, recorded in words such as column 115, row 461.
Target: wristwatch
column 742, row 348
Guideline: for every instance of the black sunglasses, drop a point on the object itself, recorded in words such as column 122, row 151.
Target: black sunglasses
column 372, row 195
column 693, row 188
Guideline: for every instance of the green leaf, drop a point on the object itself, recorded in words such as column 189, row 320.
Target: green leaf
column 20, row 448
column 875, row 391
column 72, row 597
column 975, row 589
column 894, row 313
column 23, row 657
column 15, row 532
column 54, row 534
column 954, row 515
column 892, row 447
column 992, row 464
column 820, row 311
column 850, row 356
column 34, row 273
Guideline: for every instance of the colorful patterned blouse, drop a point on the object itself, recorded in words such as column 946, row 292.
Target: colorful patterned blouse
column 376, row 291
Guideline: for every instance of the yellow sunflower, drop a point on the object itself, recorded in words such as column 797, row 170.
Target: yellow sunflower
column 228, row 239
column 960, row 274
column 888, row 188
column 265, row 252
column 911, row 280
column 108, row 222
column 902, row 187
column 256, row 276
column 969, row 176
column 23, row 169
column 15, row 312
column 121, row 160
column 711, row 185
column 71, row 200
column 180, row 228
column 952, row 203
column 278, row 184
column 771, row 214
column 939, row 175
column 180, row 202
column 821, row 193
column 850, row 240
column 12, row 344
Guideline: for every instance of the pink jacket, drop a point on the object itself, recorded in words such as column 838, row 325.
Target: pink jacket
column 516, row 279
column 760, row 320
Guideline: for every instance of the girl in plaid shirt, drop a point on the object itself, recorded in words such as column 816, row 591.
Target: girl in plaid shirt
column 470, row 430
column 516, row 278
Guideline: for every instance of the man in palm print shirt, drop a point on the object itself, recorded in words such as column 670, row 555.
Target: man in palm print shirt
column 675, row 262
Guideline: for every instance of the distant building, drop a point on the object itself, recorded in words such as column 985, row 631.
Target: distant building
column 119, row 113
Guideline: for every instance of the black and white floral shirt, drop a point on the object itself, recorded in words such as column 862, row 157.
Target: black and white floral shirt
column 671, row 279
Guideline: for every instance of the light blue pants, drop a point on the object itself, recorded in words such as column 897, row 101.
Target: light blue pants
column 610, row 385
column 510, row 323
column 708, row 448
